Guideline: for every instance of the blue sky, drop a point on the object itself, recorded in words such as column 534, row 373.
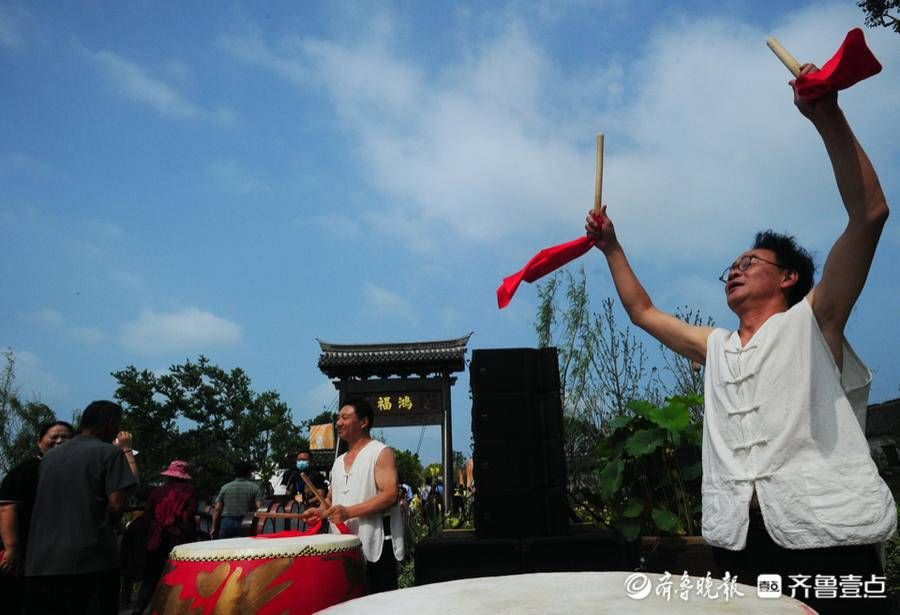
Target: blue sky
column 239, row 181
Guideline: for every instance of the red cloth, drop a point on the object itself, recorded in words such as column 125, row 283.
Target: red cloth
column 852, row 63
column 312, row 529
column 542, row 263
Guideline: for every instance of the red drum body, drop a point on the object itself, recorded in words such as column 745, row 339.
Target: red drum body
column 299, row 574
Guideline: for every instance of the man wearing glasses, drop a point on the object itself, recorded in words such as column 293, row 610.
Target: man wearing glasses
column 789, row 486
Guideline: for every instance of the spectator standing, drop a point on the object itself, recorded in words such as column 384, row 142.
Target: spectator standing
column 234, row 501
column 292, row 480
column 72, row 563
column 169, row 517
column 17, row 494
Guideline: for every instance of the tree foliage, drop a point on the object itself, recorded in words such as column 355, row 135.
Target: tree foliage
column 878, row 13
column 208, row 416
column 603, row 369
column 602, row 366
column 19, row 421
column 409, row 468
column 650, row 471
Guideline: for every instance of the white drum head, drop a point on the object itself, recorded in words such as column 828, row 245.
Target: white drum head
column 564, row 593
column 245, row 547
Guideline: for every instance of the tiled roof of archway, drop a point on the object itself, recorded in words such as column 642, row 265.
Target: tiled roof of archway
column 403, row 358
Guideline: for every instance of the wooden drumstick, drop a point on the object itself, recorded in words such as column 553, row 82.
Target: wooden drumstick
column 786, row 58
column 315, row 491
column 598, row 175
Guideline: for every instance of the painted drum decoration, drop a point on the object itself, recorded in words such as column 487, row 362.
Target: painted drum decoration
column 297, row 574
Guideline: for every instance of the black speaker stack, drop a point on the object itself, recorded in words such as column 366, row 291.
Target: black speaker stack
column 520, row 466
column 521, row 511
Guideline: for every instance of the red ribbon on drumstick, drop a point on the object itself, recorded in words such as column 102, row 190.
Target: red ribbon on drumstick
column 551, row 259
column 852, row 63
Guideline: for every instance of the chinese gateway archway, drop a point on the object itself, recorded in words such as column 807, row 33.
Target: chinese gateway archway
column 406, row 383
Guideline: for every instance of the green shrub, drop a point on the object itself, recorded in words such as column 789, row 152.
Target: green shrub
column 650, row 470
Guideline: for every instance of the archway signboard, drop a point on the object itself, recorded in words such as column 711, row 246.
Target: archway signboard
column 406, row 383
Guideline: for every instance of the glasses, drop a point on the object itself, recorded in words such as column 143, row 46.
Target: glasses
column 743, row 263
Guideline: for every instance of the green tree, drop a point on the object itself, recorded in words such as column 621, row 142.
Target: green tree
column 326, row 416
column 19, row 421
column 207, row 415
column 877, row 13
column 603, row 368
column 409, row 468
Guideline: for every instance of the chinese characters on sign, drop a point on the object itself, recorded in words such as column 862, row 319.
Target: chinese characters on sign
column 407, row 402
column 389, row 402
column 403, row 401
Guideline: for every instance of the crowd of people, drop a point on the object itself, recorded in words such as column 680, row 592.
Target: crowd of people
column 66, row 547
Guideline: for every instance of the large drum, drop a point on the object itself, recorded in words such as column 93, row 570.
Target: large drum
column 574, row 592
column 297, row 574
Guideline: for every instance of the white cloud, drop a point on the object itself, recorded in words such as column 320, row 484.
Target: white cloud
column 34, row 380
column 135, row 83
column 338, row 225
column 48, row 317
column 231, row 177
column 703, row 142
column 253, row 50
column 188, row 330
column 87, row 335
column 384, row 302
column 470, row 151
column 126, row 280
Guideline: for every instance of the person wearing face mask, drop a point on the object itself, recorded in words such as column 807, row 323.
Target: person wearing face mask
column 17, row 494
column 292, row 479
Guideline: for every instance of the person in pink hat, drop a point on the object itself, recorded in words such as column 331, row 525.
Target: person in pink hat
column 170, row 522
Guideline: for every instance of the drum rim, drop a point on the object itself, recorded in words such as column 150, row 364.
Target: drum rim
column 244, row 553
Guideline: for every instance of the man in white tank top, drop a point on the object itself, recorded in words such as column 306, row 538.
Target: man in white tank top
column 363, row 495
column 789, row 486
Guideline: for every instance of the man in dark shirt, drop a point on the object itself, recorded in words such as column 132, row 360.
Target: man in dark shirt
column 72, row 563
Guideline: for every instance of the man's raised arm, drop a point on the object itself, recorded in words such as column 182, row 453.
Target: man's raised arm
column 683, row 338
column 848, row 262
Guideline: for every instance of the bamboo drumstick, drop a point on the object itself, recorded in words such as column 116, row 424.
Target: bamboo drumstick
column 598, row 175
column 786, row 58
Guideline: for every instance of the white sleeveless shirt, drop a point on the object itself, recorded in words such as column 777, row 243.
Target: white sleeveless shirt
column 780, row 416
column 358, row 485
